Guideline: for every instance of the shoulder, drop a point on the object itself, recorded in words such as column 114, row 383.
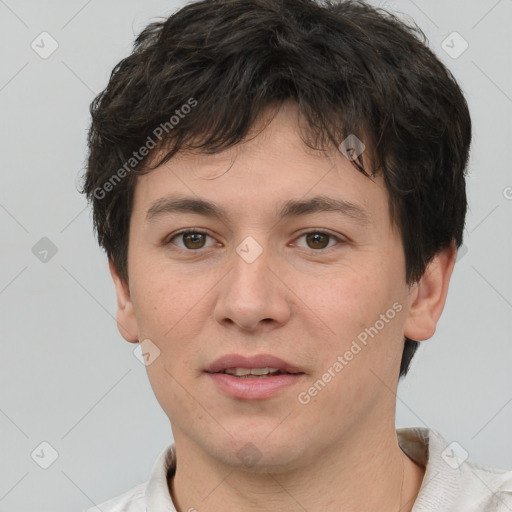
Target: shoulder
column 130, row 501
column 489, row 488
column 150, row 495
column 453, row 481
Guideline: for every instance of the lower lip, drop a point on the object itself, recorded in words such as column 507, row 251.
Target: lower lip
column 254, row 388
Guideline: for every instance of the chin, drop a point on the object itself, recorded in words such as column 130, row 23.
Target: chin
column 259, row 454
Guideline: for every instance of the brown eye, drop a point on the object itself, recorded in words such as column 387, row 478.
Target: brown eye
column 317, row 240
column 191, row 240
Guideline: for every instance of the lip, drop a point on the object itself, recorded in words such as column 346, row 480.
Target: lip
column 256, row 361
column 253, row 388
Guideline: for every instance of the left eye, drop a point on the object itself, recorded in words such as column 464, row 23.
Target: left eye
column 318, row 239
column 195, row 240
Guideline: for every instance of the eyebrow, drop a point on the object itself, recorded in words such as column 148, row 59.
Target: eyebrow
column 292, row 208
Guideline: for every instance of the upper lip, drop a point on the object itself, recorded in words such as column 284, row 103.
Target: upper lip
column 257, row 361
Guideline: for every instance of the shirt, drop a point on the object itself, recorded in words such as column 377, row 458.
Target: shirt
column 452, row 482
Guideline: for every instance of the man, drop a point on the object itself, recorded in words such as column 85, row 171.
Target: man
column 279, row 187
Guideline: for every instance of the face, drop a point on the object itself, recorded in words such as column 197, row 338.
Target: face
column 277, row 275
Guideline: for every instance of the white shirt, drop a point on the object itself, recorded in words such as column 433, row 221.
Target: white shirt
column 452, row 483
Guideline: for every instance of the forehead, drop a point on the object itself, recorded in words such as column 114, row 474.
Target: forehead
column 273, row 171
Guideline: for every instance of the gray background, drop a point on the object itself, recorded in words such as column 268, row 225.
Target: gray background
column 68, row 378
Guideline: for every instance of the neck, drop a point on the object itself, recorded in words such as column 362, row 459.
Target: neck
column 364, row 471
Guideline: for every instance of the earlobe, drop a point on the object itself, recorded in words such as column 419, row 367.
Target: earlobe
column 429, row 296
column 126, row 320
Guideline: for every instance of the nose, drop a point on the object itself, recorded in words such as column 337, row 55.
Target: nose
column 252, row 295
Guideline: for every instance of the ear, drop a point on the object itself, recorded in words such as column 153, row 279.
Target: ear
column 428, row 296
column 126, row 320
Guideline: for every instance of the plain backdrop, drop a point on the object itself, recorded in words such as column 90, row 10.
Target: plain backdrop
column 67, row 377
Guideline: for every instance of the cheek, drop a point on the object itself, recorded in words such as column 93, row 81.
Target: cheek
column 171, row 313
column 364, row 311
column 160, row 300
column 347, row 302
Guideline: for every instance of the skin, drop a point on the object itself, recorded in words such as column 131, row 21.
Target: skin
column 302, row 300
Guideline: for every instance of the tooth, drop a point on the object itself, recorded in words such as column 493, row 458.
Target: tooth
column 240, row 372
column 259, row 371
column 262, row 371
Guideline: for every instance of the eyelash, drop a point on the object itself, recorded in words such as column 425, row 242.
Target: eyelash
column 169, row 239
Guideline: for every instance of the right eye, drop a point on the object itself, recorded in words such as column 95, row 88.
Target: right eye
column 192, row 239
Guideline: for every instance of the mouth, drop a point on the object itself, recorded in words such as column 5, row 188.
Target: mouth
column 257, row 366
column 257, row 377
column 256, row 373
